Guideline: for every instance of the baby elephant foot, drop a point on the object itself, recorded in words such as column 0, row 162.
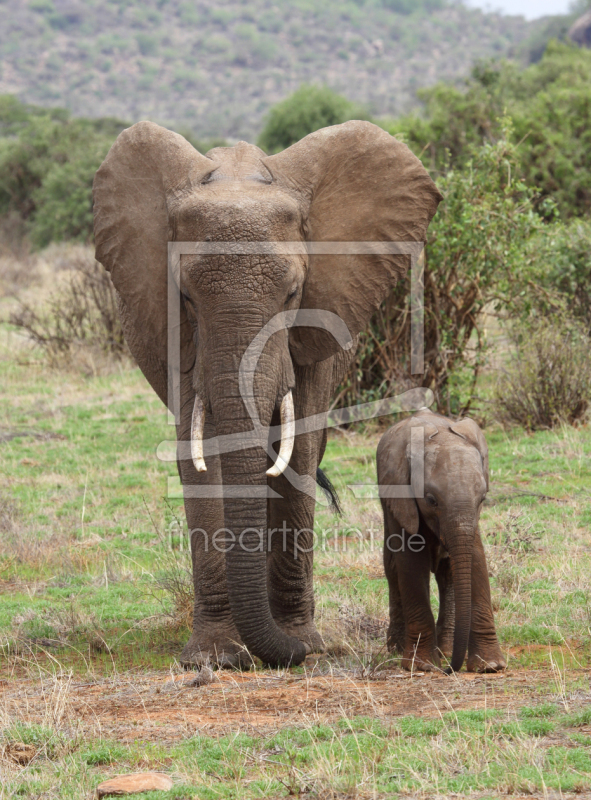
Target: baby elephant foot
column 395, row 638
column 418, row 659
column 486, row 661
column 219, row 651
column 445, row 643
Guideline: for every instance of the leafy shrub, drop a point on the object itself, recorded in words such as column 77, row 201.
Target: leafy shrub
column 408, row 6
column 147, row 44
column 558, row 273
column 43, row 6
column 81, row 313
column 475, row 248
column 548, row 380
column 64, row 201
column 47, row 164
column 218, row 43
column 305, row 111
column 548, row 104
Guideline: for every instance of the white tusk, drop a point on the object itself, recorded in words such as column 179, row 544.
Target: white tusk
column 287, row 436
column 197, row 423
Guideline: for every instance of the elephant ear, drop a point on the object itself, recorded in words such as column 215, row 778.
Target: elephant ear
column 360, row 185
column 469, row 430
column 394, row 470
column 147, row 170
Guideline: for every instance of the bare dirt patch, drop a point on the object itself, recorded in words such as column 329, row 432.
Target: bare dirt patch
column 163, row 706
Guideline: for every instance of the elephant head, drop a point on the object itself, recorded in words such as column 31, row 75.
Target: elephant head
column 449, row 476
column 347, row 183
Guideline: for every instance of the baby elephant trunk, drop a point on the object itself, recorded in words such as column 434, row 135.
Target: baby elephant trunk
column 460, row 552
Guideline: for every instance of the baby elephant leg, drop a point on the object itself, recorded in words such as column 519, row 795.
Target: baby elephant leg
column 396, row 629
column 414, row 572
column 484, row 652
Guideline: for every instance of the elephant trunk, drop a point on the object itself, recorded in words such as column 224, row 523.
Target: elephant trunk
column 460, row 546
column 245, row 513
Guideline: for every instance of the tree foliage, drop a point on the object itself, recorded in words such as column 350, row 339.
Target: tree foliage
column 549, row 104
column 556, row 274
column 475, row 252
column 305, row 111
column 47, row 164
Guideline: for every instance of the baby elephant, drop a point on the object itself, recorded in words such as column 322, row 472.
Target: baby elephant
column 431, row 525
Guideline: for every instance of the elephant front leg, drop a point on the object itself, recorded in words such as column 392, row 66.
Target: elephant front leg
column 413, row 566
column 484, row 652
column 290, row 563
column 291, row 518
column 446, row 616
column 214, row 639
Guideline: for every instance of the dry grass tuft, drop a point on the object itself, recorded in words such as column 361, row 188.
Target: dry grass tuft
column 358, row 626
column 18, row 268
column 78, row 323
column 176, row 583
column 8, row 514
column 548, row 380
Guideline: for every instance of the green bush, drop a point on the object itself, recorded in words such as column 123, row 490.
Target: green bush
column 549, row 106
column 410, row 6
column 64, row 200
column 305, row 111
column 147, row 44
column 475, row 249
column 47, row 164
column 557, row 273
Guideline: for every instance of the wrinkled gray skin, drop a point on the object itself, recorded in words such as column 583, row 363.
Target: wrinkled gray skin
column 446, row 520
column 352, row 182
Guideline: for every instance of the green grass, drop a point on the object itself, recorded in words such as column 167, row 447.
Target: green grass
column 85, row 520
column 460, row 753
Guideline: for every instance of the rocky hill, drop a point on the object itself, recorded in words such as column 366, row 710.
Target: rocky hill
column 215, row 66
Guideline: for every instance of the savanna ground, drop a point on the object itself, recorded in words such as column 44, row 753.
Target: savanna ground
column 95, row 607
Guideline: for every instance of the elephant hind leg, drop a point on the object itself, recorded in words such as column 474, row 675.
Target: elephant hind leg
column 396, row 635
column 413, row 569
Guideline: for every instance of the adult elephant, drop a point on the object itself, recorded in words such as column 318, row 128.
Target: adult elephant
column 347, row 183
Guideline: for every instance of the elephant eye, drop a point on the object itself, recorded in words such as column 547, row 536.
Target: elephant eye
column 292, row 294
column 431, row 501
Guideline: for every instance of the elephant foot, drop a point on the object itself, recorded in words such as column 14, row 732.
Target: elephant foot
column 221, row 651
column 486, row 662
column 395, row 639
column 419, row 660
column 307, row 633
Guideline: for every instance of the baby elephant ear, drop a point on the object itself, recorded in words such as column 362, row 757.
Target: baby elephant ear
column 469, row 430
column 359, row 185
column 394, row 466
column 146, row 171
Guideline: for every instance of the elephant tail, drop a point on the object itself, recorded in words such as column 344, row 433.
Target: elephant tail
column 329, row 491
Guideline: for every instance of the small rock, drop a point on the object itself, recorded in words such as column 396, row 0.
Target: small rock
column 137, row 782
column 204, row 676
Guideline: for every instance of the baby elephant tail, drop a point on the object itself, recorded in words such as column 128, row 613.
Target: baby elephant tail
column 329, row 491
